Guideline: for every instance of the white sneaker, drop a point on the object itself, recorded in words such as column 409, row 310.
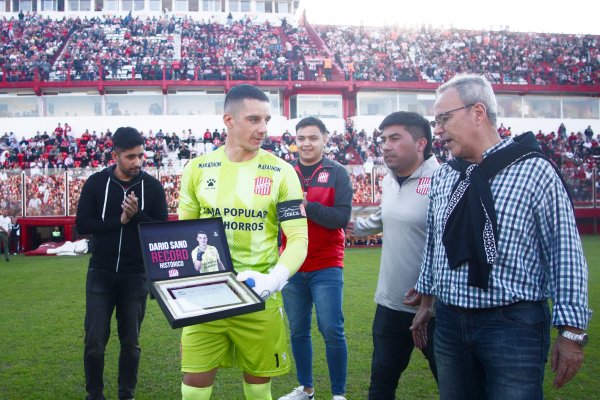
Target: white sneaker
column 298, row 394
column 338, row 397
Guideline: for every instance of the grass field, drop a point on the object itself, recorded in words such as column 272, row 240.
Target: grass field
column 41, row 338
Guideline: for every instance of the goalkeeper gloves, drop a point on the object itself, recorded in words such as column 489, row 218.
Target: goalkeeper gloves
column 266, row 284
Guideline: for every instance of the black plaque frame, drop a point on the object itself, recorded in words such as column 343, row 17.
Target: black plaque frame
column 178, row 287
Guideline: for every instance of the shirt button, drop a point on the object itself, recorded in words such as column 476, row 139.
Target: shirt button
column 452, row 288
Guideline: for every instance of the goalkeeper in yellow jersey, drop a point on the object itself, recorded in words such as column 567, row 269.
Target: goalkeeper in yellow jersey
column 255, row 193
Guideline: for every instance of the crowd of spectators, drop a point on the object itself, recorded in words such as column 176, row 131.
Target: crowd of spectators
column 57, row 149
column 10, row 193
column 155, row 48
column 118, row 47
column 577, row 155
column 31, row 43
column 171, row 185
column 75, row 182
column 371, row 240
column 242, row 48
column 150, row 48
column 433, row 54
column 46, row 156
column 45, row 194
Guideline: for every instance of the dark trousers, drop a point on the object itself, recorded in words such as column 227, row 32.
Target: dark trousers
column 4, row 243
column 15, row 245
column 392, row 348
column 105, row 292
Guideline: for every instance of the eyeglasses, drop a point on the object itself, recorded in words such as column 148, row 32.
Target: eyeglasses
column 443, row 117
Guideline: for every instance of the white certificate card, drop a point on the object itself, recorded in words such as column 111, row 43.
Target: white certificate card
column 205, row 296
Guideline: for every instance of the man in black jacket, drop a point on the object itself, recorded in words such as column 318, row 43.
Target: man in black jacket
column 112, row 204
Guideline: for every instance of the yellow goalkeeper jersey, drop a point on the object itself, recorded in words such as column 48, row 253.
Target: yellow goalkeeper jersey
column 253, row 197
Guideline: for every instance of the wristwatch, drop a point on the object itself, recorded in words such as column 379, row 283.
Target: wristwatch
column 581, row 338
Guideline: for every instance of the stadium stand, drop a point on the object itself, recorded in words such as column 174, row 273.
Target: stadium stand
column 180, row 48
column 434, row 55
column 42, row 173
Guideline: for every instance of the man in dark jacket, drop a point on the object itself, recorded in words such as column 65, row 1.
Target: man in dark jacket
column 112, row 204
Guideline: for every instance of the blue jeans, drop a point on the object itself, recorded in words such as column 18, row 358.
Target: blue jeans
column 105, row 292
column 324, row 289
column 496, row 353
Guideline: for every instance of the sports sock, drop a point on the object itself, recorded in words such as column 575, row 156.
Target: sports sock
column 257, row 392
column 195, row 393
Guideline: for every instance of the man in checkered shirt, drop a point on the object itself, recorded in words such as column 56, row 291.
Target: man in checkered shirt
column 501, row 239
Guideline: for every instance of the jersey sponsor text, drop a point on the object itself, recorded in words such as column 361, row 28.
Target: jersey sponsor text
column 235, row 212
column 269, row 167
column 210, row 164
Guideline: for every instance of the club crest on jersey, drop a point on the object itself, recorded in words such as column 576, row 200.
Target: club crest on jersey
column 323, row 177
column 423, row 185
column 262, row 185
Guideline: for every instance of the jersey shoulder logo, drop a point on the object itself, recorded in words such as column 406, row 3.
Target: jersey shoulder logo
column 423, row 185
column 262, row 185
column 323, row 177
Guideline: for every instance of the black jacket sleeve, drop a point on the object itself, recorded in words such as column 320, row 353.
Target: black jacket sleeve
column 159, row 211
column 89, row 212
column 337, row 216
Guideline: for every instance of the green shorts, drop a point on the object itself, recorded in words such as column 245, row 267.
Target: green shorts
column 256, row 342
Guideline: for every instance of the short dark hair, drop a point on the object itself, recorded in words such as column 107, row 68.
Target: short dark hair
column 242, row 92
column 414, row 123
column 126, row 138
column 312, row 121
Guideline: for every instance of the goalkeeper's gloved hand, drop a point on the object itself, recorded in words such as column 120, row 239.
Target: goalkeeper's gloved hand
column 266, row 284
column 199, row 255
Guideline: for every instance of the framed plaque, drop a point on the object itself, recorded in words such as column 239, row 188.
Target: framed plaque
column 191, row 273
